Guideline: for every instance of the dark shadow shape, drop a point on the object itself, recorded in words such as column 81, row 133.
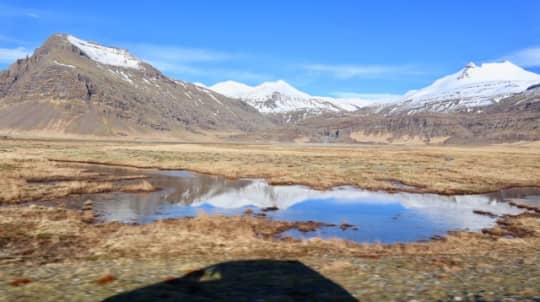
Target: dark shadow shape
column 252, row 280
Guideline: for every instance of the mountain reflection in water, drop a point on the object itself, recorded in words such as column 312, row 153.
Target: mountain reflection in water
column 380, row 216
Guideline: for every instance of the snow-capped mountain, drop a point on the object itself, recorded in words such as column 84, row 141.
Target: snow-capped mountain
column 232, row 89
column 74, row 87
column 281, row 97
column 472, row 86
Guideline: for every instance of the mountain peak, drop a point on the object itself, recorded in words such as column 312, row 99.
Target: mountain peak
column 500, row 71
column 470, row 65
column 472, row 86
column 280, row 86
column 281, row 97
column 465, row 73
column 277, row 83
column 264, row 90
column 232, row 89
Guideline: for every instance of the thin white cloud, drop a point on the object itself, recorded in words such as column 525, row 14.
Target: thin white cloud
column 174, row 67
column 361, row 71
column 40, row 15
column 528, row 57
column 10, row 55
column 240, row 75
column 13, row 11
column 181, row 61
column 179, row 69
column 7, row 39
column 175, row 54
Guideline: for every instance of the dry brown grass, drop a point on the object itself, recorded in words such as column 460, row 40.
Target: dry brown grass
column 447, row 170
column 38, row 234
column 338, row 265
column 142, row 186
column 33, row 236
column 32, row 178
column 430, row 169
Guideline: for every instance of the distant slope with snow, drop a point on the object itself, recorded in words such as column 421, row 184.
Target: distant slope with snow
column 280, row 97
column 473, row 86
column 232, row 89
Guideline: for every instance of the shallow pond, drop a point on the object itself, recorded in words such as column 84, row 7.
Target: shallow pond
column 379, row 216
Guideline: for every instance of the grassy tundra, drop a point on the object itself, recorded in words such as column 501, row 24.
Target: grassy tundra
column 56, row 253
column 27, row 165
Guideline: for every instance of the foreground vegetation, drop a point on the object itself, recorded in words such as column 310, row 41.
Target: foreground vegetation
column 52, row 252
column 60, row 254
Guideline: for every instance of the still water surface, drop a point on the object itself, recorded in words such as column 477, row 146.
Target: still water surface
column 379, row 216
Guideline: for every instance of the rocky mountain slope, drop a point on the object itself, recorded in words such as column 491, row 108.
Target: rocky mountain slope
column 514, row 118
column 71, row 86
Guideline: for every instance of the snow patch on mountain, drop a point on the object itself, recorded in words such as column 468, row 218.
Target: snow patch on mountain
column 106, row 55
column 349, row 104
column 64, row 65
column 200, row 84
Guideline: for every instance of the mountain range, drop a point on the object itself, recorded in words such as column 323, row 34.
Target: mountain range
column 471, row 87
column 280, row 97
column 74, row 87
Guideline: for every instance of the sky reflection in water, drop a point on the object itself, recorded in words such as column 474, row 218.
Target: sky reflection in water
column 379, row 216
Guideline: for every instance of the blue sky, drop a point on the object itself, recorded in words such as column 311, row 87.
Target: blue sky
column 331, row 48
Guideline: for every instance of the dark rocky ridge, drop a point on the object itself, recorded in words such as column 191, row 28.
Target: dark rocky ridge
column 59, row 89
column 516, row 118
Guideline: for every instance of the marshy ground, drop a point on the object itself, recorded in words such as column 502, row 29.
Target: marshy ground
column 52, row 253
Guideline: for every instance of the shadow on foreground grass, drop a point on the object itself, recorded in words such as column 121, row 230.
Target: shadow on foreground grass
column 251, row 280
